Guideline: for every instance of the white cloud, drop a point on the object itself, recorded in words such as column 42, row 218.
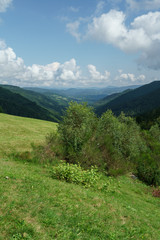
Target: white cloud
column 10, row 65
column 129, row 78
column 143, row 35
column 143, row 4
column 2, row 44
column 99, row 7
column 4, row 4
column 69, row 71
column 14, row 71
column 73, row 29
column 97, row 76
column 111, row 28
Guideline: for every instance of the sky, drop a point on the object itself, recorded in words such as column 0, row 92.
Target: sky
column 79, row 43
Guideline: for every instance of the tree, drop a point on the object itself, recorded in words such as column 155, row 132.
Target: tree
column 76, row 128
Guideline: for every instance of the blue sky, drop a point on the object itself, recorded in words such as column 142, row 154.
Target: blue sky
column 79, row 43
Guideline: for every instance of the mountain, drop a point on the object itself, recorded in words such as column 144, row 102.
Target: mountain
column 54, row 103
column 15, row 104
column 135, row 102
column 146, row 120
column 90, row 95
column 109, row 98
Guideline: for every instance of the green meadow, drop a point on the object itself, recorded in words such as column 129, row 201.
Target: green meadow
column 35, row 206
column 17, row 133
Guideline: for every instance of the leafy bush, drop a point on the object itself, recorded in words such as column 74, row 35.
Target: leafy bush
column 155, row 132
column 148, row 170
column 73, row 173
column 76, row 128
column 115, row 145
column 120, row 141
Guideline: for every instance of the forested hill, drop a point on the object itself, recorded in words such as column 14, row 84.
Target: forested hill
column 135, row 102
column 15, row 104
column 54, row 104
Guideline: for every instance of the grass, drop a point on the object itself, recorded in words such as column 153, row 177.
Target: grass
column 17, row 133
column 35, row 206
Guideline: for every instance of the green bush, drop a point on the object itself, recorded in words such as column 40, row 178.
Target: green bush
column 115, row 145
column 148, row 170
column 120, row 141
column 76, row 129
column 73, row 173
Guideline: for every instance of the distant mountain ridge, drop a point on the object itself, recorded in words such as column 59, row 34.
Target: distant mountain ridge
column 137, row 101
column 90, row 95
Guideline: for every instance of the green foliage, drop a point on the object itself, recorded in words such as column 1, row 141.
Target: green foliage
column 35, row 206
column 148, row 170
column 73, row 173
column 111, row 143
column 76, row 128
column 121, row 137
column 155, row 132
column 1, row 109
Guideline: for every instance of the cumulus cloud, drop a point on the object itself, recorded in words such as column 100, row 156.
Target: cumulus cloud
column 143, row 4
column 14, row 71
column 4, row 4
column 111, row 28
column 10, row 65
column 143, row 35
column 129, row 78
column 97, row 76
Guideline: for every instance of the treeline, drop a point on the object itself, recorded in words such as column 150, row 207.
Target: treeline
column 116, row 145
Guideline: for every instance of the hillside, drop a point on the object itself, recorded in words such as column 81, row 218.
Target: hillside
column 53, row 103
column 109, row 98
column 146, row 120
column 17, row 133
column 35, row 206
column 89, row 95
column 15, row 104
column 135, row 102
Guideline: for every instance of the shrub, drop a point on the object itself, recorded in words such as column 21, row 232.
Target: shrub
column 73, row 173
column 155, row 132
column 76, row 129
column 148, row 170
column 120, row 141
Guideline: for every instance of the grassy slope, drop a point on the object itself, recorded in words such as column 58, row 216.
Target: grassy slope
column 17, row 133
column 35, row 206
